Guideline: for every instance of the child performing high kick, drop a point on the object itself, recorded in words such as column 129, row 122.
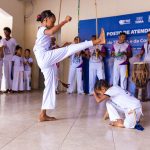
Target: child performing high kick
column 46, row 58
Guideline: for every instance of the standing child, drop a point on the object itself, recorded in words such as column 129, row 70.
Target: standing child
column 9, row 49
column 119, row 102
column 46, row 57
column 75, row 71
column 28, row 61
column 121, row 51
column 17, row 70
column 96, row 65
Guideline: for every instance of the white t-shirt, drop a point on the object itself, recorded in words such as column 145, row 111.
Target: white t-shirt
column 27, row 66
column 18, row 63
column 76, row 60
column 122, row 98
column 9, row 48
column 120, row 48
column 42, row 41
column 147, row 52
column 94, row 58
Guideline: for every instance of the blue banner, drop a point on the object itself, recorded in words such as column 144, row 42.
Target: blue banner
column 134, row 25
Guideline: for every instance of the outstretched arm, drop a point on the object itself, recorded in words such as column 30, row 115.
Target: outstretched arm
column 56, row 28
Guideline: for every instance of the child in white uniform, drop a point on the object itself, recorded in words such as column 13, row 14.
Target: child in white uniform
column 46, row 58
column 1, row 60
column 75, row 71
column 96, row 65
column 124, row 109
column 121, row 51
column 9, row 49
column 28, row 61
column 17, row 70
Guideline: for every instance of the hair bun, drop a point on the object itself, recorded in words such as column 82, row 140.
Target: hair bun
column 44, row 14
column 39, row 17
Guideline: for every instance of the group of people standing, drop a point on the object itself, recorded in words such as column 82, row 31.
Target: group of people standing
column 15, row 66
column 121, row 52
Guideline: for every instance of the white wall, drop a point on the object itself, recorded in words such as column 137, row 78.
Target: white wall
column 16, row 9
column 7, row 20
column 87, row 11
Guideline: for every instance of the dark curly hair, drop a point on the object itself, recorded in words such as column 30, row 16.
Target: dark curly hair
column 7, row 29
column 101, row 83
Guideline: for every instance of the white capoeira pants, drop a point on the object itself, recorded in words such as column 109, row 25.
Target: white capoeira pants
column 27, row 80
column 120, row 73
column 130, row 119
column 46, row 60
column 56, row 77
column 7, row 82
column 75, row 75
column 1, row 66
column 95, row 70
column 17, row 84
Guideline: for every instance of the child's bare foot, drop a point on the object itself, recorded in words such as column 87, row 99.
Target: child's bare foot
column 118, row 123
column 51, row 117
column 43, row 118
column 101, row 40
column 102, row 36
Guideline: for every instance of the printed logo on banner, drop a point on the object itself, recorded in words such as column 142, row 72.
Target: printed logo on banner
column 124, row 22
column 149, row 18
column 139, row 20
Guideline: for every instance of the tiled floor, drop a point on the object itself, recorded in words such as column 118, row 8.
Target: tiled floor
column 80, row 125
